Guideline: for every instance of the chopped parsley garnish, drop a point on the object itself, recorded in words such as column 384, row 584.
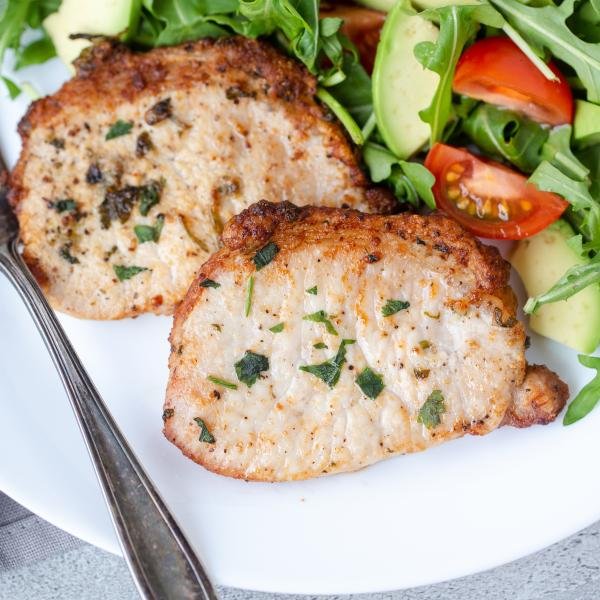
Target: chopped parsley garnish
column 430, row 414
column 313, row 290
column 66, row 205
column 370, row 383
column 209, row 283
column 330, row 370
column 223, row 382
column 149, row 233
column 431, row 315
column 249, row 294
column 265, row 255
column 277, row 328
column 321, row 317
column 149, row 196
column 250, row 366
column 117, row 204
column 205, row 435
column 424, row 344
column 216, row 325
column 118, row 129
column 320, row 345
column 421, row 373
column 391, row 307
column 65, row 252
column 122, row 272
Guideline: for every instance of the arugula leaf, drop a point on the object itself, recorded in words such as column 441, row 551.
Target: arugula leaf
column 545, row 27
column 370, row 383
column 574, row 280
column 330, row 370
column 391, row 307
column 277, row 328
column 123, row 273
column 149, row 233
column 205, row 435
column 410, row 181
column 557, row 151
column 265, row 255
column 118, row 129
column 223, row 382
column 209, row 283
column 458, row 25
column 321, row 317
column 13, row 89
column 430, row 414
column 250, row 366
column 35, row 53
column 588, row 396
column 506, row 134
column 587, row 210
column 342, row 114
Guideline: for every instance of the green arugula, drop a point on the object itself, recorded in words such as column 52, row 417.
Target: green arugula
column 430, row 414
column 557, row 151
column 410, row 181
column 545, row 27
column 321, row 317
column 370, row 383
column 205, row 435
column 458, row 25
column 588, row 396
column 11, row 87
column 330, row 370
column 249, row 367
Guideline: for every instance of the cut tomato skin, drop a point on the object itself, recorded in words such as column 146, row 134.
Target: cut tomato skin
column 361, row 25
column 496, row 71
column 487, row 198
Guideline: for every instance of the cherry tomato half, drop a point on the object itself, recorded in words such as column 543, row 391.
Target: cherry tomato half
column 361, row 25
column 497, row 71
column 487, row 198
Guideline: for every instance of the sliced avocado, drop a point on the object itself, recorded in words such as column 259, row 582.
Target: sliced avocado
column 382, row 5
column 97, row 17
column 586, row 127
column 540, row 261
column 401, row 85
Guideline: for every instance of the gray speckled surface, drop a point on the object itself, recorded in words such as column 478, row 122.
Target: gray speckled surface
column 569, row 570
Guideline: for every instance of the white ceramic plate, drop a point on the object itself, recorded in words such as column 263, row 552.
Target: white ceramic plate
column 453, row 510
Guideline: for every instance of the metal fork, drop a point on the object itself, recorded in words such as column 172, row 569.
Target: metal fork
column 161, row 560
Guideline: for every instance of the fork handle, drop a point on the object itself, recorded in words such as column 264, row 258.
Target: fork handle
column 160, row 558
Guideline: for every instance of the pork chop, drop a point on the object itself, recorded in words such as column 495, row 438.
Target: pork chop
column 323, row 340
column 127, row 173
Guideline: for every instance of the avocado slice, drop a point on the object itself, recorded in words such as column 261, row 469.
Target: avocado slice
column 586, row 127
column 96, row 17
column 402, row 87
column 540, row 261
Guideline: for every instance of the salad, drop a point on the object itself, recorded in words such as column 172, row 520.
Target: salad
column 487, row 110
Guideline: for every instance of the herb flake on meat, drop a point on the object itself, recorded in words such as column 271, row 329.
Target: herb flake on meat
column 313, row 290
column 149, row 196
column 64, row 205
column 277, row 328
column 143, row 144
column 222, row 382
column 265, row 255
column 205, row 435
column 159, row 112
column 209, row 283
column 149, row 233
column 249, row 294
column 123, row 273
column 430, row 414
column 168, row 413
column 118, row 129
column 330, row 370
column 370, row 383
column 117, row 205
column 250, row 366
column 94, row 174
column 65, row 252
column 391, row 307
column 320, row 346
column 321, row 317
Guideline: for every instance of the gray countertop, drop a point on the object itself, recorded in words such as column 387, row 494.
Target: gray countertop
column 38, row 562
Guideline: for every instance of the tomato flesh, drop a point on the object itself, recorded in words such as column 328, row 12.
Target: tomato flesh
column 496, row 70
column 487, row 198
column 361, row 25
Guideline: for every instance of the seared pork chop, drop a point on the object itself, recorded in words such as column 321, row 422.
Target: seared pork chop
column 128, row 172
column 322, row 340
